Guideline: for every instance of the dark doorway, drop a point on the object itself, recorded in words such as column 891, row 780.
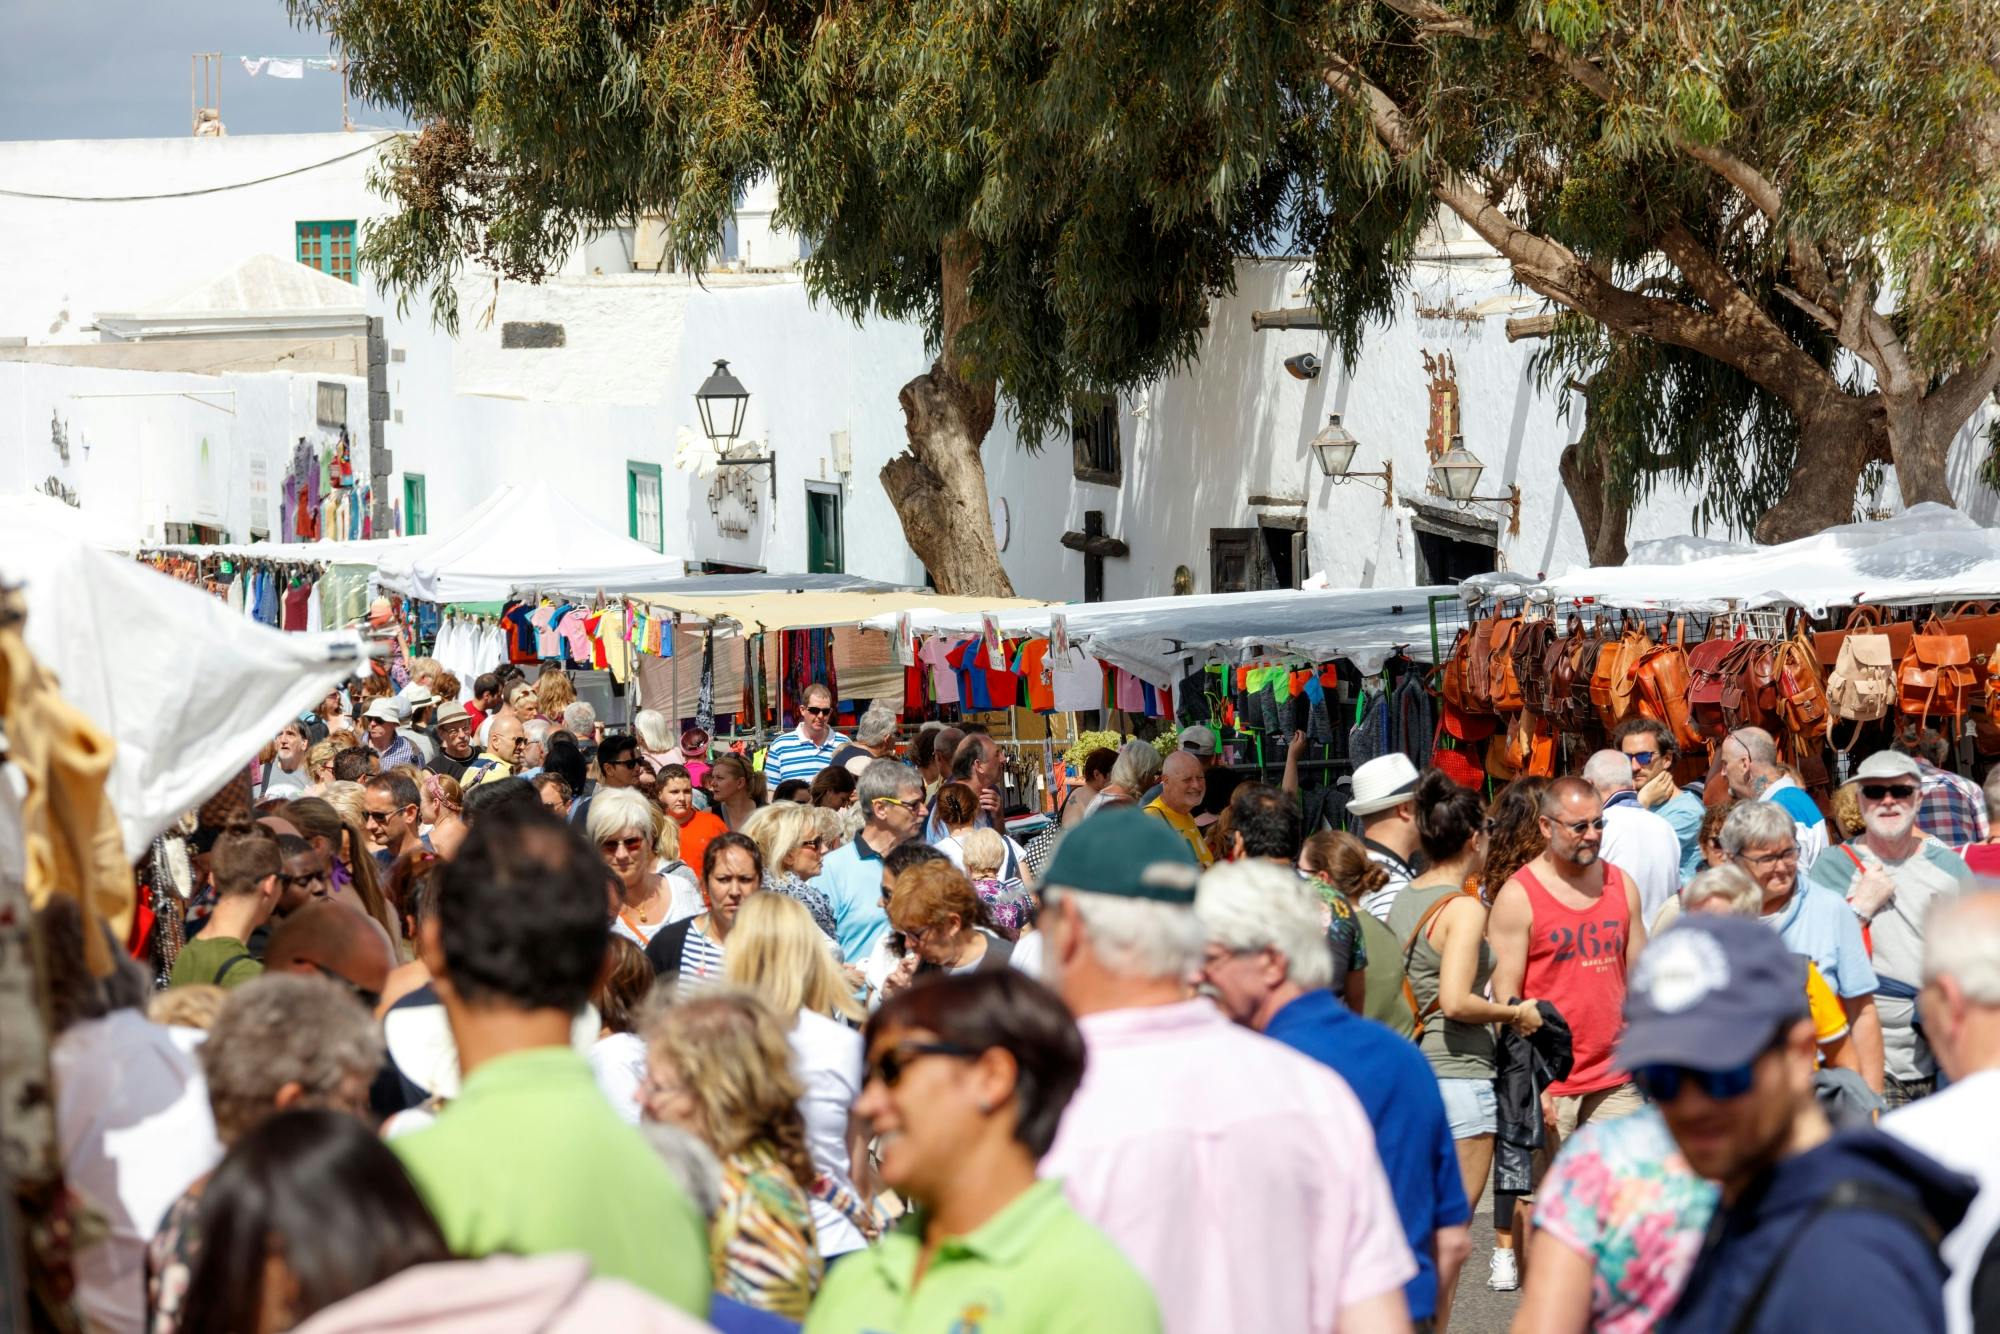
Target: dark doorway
column 1449, row 551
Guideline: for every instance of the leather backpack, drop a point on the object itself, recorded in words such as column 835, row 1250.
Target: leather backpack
column 1479, row 667
column 1862, row 685
column 1531, row 648
column 1559, row 674
column 1503, row 683
column 1660, row 689
column 1801, row 699
column 1869, row 620
column 1626, row 655
column 1708, row 681
column 1456, row 716
column 1936, row 678
column 1586, row 650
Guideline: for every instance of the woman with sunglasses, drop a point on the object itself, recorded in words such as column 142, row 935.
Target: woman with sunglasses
column 967, row 1079
column 788, row 836
column 625, row 827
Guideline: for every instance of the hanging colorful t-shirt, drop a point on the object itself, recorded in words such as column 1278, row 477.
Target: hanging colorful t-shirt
column 1078, row 683
column 936, row 655
column 576, row 643
column 979, row 688
column 1031, row 664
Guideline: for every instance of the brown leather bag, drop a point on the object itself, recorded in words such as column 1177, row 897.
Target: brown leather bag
column 1936, row 678
column 1531, row 646
column 1455, row 713
column 1505, row 685
column 1977, row 621
column 1479, row 667
column 1707, row 682
column 1559, row 674
column 1802, row 703
column 1660, row 689
column 1626, row 655
column 1585, row 653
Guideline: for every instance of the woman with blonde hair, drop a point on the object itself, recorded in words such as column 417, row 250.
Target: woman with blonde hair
column 626, row 829
column 718, row 1066
column 441, row 806
column 319, row 761
column 778, row 955
column 554, row 692
column 331, row 822
column 738, row 789
column 837, row 828
column 788, row 835
column 1009, row 907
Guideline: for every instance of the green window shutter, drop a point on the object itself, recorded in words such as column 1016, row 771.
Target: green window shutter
column 416, row 506
column 328, row 247
column 645, row 500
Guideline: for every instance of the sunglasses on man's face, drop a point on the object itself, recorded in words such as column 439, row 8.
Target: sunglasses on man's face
column 1641, row 758
column 1578, row 827
column 817, row 711
column 1884, row 791
column 1663, row 1083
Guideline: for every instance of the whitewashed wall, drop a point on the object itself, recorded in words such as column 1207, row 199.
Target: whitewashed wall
column 472, row 414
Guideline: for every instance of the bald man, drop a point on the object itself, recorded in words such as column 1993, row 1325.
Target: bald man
column 1749, row 759
column 334, row 941
column 504, row 740
column 1183, row 780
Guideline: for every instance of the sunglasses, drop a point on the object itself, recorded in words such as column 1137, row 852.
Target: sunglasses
column 1642, row 758
column 369, row 998
column 1579, row 826
column 811, row 844
column 1663, row 1083
column 611, row 845
column 1883, row 791
column 891, row 801
column 817, row 711
column 890, row 1065
column 381, row 817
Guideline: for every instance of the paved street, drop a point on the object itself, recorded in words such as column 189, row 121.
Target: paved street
column 1479, row 1311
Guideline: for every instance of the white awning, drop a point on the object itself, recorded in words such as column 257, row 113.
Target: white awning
column 524, row 540
column 1155, row 638
column 188, row 689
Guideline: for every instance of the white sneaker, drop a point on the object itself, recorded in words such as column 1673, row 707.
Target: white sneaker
column 1504, row 1273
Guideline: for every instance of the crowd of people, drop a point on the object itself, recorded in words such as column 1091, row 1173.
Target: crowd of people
column 488, row 1018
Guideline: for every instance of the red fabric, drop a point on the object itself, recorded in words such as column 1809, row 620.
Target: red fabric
column 1983, row 858
column 1576, row 961
column 913, row 690
column 295, row 600
column 474, row 712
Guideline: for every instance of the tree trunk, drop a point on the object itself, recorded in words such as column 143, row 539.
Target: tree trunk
column 1604, row 517
column 1838, row 435
column 939, row 485
column 1922, row 447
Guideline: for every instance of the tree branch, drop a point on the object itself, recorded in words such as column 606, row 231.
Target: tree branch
column 1947, row 407
column 1740, row 333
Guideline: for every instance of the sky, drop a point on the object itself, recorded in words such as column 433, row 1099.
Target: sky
column 119, row 69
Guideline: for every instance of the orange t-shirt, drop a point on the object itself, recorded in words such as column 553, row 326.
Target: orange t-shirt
column 1033, row 665
column 701, row 829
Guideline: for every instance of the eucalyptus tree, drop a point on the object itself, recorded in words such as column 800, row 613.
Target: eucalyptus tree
column 1768, row 225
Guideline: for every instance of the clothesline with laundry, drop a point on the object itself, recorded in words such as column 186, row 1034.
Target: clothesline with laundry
column 287, row 67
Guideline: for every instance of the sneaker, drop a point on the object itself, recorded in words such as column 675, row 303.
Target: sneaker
column 1504, row 1273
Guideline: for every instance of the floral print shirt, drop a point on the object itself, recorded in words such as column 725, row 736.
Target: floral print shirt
column 1343, row 933
column 764, row 1246
column 1621, row 1195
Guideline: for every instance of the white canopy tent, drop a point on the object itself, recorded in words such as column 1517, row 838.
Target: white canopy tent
column 1929, row 553
column 188, row 689
column 43, row 511
column 1156, row 638
column 520, row 540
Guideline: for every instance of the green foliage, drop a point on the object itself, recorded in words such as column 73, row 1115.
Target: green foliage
column 1106, row 162
column 1079, row 749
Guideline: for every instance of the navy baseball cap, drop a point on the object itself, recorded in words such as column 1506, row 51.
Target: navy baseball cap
column 1709, row 993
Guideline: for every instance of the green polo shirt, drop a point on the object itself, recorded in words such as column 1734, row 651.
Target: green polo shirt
column 1036, row 1266
column 530, row 1159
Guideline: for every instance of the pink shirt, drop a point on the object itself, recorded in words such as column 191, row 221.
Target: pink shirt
column 1239, row 1176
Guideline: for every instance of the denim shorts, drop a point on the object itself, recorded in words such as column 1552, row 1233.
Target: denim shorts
column 1470, row 1106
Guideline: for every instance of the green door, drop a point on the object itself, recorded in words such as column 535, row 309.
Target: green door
column 824, row 554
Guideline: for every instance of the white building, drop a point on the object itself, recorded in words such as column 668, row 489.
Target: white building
column 586, row 384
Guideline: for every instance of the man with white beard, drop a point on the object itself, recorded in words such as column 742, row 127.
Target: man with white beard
column 1890, row 877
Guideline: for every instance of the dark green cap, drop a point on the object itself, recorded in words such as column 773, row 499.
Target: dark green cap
column 1126, row 852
